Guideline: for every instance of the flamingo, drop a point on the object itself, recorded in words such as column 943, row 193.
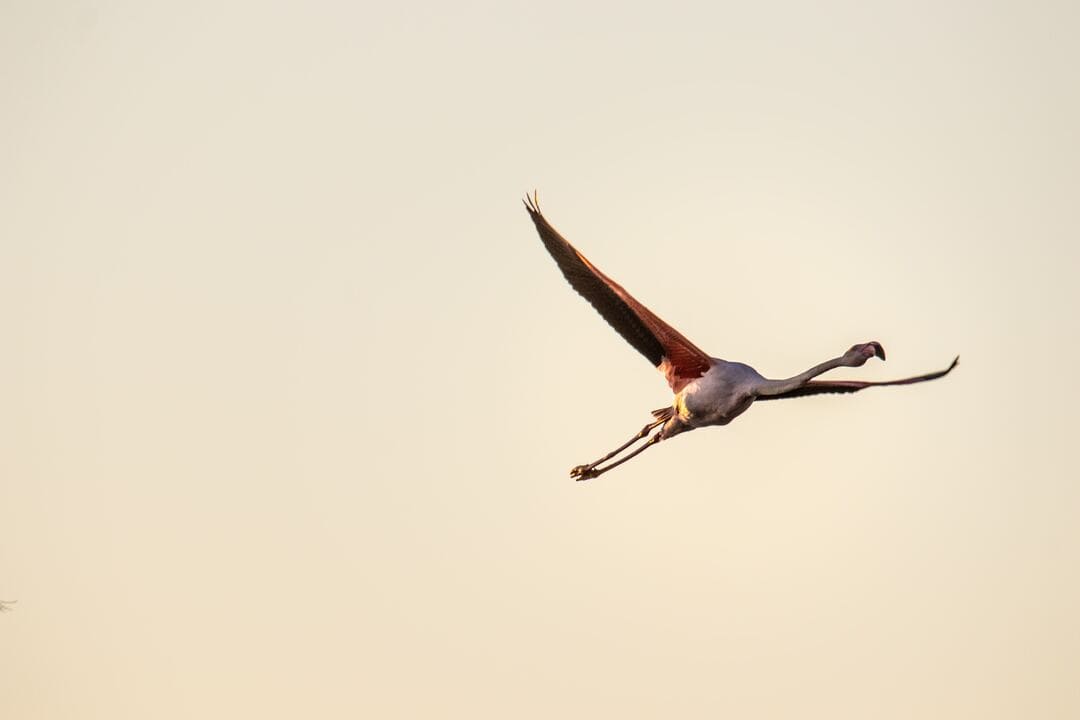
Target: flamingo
column 708, row 390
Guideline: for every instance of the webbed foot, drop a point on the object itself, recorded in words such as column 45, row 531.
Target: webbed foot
column 583, row 472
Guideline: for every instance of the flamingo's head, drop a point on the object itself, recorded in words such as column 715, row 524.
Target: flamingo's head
column 859, row 354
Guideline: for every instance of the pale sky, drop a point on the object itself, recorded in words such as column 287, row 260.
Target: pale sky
column 289, row 388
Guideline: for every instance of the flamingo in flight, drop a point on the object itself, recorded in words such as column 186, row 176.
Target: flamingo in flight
column 708, row 390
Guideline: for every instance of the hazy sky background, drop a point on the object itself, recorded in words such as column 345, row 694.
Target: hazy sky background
column 289, row 388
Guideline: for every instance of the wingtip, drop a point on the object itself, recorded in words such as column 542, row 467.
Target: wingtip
column 532, row 203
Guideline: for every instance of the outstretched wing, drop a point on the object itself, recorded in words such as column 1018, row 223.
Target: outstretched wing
column 679, row 359
column 818, row 387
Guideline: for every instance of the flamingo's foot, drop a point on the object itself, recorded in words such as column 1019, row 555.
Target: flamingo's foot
column 583, row 472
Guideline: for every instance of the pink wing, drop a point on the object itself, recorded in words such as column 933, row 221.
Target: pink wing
column 679, row 359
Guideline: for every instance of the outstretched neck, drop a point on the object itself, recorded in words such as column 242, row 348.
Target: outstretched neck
column 779, row 387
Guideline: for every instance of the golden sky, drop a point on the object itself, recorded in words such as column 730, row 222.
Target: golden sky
column 289, row 388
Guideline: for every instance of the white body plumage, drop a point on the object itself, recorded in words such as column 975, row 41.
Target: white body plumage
column 716, row 398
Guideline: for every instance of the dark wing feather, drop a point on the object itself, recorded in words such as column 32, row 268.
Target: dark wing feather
column 819, row 387
column 664, row 346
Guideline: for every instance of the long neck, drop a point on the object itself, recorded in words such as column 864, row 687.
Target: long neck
column 778, row 387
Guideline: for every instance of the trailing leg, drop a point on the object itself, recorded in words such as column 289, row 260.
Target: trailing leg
column 593, row 471
column 582, row 472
